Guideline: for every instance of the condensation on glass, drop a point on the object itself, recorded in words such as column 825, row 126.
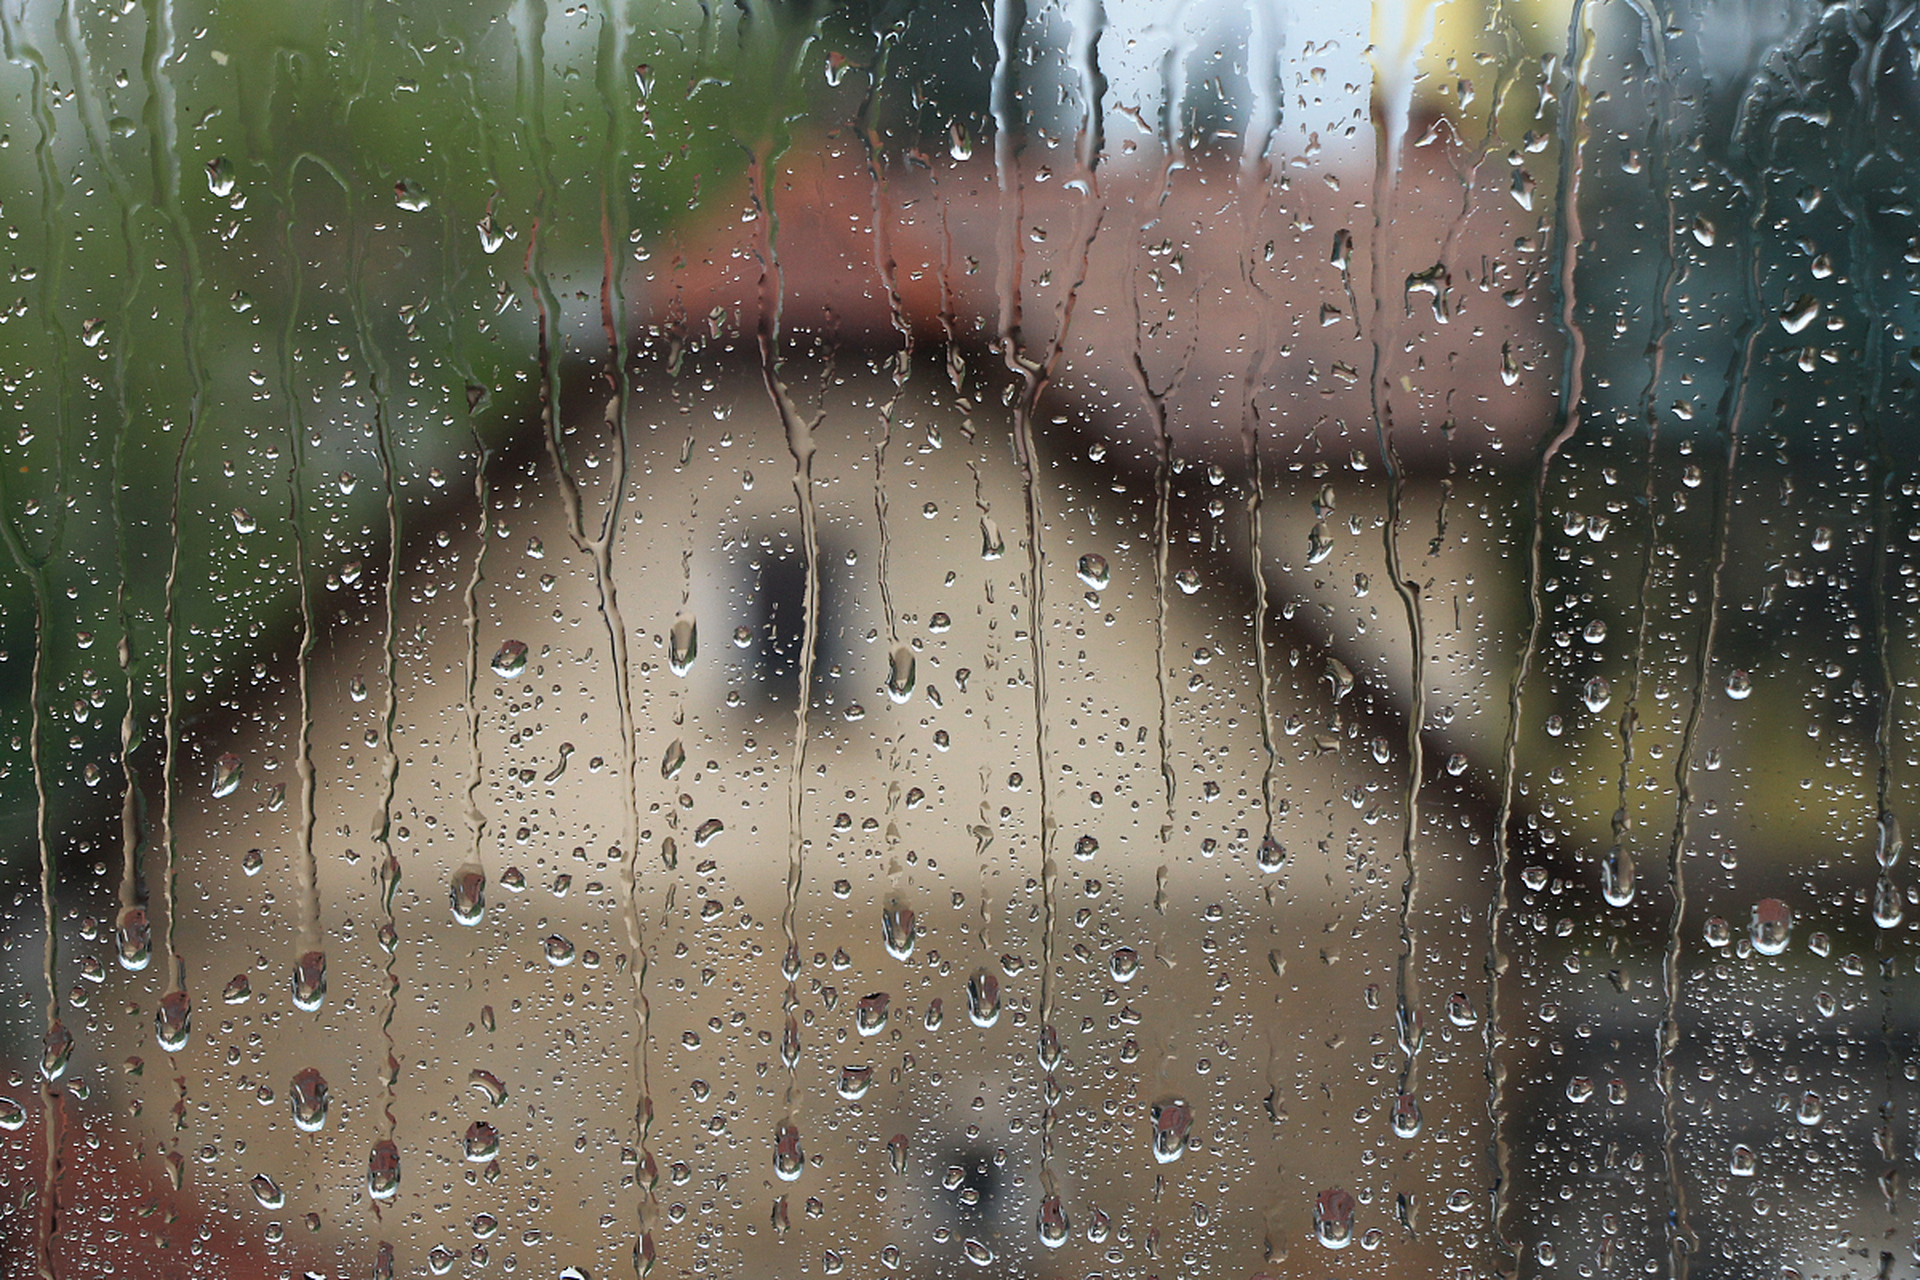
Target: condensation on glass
column 1089, row 639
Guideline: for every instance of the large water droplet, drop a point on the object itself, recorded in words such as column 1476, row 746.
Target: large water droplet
column 1743, row 1162
column 309, row 1100
column 227, row 772
column 1406, row 1116
column 1596, row 693
column 1333, row 1218
column 1887, row 907
column 897, row 928
column 1124, row 964
column 481, row 1143
column 1172, row 1123
column 1616, row 876
column 56, row 1049
column 134, row 936
column 871, row 1015
column 854, row 1082
column 469, row 894
column 683, row 643
column 487, row 1085
column 1739, row 685
column 266, row 1191
column 1053, row 1225
column 788, row 1160
column 1094, row 572
column 310, row 980
column 1771, row 926
column 983, row 998
column 383, row 1170
column 558, row 950
column 673, row 761
column 510, row 659
column 173, row 1021
column 900, row 668
column 13, row 1116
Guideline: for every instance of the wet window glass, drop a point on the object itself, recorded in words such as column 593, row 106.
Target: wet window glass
column 1007, row 639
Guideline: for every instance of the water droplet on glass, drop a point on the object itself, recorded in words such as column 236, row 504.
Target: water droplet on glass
column 1801, row 314
column 309, row 1100
column 134, row 938
column 487, row 1085
column 787, row 1158
column 1406, row 1116
column 1595, row 632
column 1053, row 1225
column 1093, row 571
column 683, row 643
column 510, row 659
column 992, row 544
column 897, row 928
column 243, row 521
column 1596, row 693
column 1085, row 847
column 1616, row 876
column 227, row 771
column 1739, row 685
column 220, row 176
column 383, row 1170
column 481, row 1143
column 1719, row 932
column 310, row 980
column 173, row 1021
column 673, row 761
column 900, row 673
column 1124, row 964
column 1771, row 925
column 936, row 1014
column 1187, row 580
column 1333, row 1218
column 410, row 195
column 959, row 141
column 983, row 998
column 1743, row 1162
column 1887, row 908
column 871, row 1014
column 558, row 950
column 1579, row 1089
column 266, row 1191
column 469, row 894
column 1809, row 1109
column 854, row 1082
column 897, row 1152
column 1172, row 1123
column 977, row 1252
column 1460, row 1010
column 706, row 831
column 56, row 1049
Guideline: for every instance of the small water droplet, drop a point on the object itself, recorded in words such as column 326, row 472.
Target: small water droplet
column 510, row 659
